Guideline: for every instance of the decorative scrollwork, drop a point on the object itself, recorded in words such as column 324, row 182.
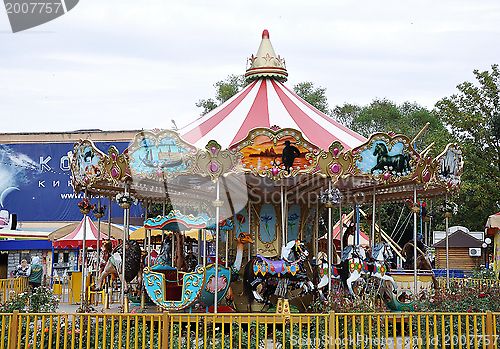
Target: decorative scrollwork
column 335, row 163
column 116, row 166
column 215, row 162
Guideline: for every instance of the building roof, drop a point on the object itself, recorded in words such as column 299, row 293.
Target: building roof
column 459, row 239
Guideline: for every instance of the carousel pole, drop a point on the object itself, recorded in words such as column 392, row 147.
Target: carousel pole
column 447, row 251
column 146, row 248
column 316, row 232
column 217, row 205
column 204, row 248
column 329, row 239
column 357, row 225
column 250, row 230
column 415, row 242
column 106, row 293
column 283, row 237
column 82, row 295
column 148, row 231
column 98, row 237
column 200, row 239
column 226, row 233
column 372, row 237
column 125, row 236
column 341, row 230
column 429, row 237
column 109, row 220
column 285, row 201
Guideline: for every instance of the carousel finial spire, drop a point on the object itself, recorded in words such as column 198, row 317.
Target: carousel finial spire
column 266, row 63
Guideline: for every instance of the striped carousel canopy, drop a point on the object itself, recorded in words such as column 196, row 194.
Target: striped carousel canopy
column 267, row 102
column 75, row 238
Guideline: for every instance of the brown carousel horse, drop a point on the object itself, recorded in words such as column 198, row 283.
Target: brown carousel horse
column 422, row 262
column 133, row 257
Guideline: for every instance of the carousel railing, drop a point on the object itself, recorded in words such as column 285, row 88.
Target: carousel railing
column 250, row 331
column 476, row 283
column 9, row 288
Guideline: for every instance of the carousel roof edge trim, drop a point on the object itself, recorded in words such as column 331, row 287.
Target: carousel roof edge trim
column 155, row 156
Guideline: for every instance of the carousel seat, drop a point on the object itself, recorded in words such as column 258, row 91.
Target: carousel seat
column 173, row 284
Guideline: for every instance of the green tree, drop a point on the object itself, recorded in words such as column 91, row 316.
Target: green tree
column 314, row 96
column 382, row 115
column 473, row 116
column 224, row 90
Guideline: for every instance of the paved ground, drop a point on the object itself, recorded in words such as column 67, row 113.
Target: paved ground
column 114, row 308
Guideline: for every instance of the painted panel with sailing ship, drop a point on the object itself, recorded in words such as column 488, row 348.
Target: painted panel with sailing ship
column 158, row 155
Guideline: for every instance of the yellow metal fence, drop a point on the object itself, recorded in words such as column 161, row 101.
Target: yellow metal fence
column 476, row 283
column 61, row 286
column 10, row 288
column 250, row 331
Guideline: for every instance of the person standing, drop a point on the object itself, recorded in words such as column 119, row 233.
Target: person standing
column 22, row 269
column 36, row 273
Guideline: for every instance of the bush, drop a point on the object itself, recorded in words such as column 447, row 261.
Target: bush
column 40, row 300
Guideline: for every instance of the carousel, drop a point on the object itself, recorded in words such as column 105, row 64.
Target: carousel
column 257, row 174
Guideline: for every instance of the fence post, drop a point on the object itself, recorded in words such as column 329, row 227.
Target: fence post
column 490, row 336
column 14, row 324
column 166, row 329
column 331, row 329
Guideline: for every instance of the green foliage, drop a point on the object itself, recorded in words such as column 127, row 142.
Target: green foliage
column 156, row 209
column 224, row 90
column 314, row 96
column 483, row 273
column 473, row 116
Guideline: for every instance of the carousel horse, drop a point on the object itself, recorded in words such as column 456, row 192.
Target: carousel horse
column 339, row 271
column 422, row 262
column 399, row 163
column 359, row 265
column 180, row 263
column 274, row 276
column 113, row 266
column 106, row 252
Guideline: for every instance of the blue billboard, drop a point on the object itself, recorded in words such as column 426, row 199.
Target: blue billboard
column 35, row 182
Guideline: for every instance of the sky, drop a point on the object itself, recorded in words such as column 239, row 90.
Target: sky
column 131, row 65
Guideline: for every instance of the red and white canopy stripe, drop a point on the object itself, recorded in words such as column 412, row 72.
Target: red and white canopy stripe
column 267, row 102
column 75, row 238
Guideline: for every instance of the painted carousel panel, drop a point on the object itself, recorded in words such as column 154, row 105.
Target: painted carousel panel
column 276, row 154
column 86, row 163
column 160, row 154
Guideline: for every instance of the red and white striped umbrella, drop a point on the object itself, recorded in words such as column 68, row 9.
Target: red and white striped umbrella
column 267, row 102
column 75, row 238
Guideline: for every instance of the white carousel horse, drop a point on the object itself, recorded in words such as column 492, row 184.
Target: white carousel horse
column 339, row 271
column 373, row 267
column 321, row 276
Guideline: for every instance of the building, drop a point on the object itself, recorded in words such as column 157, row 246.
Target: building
column 35, row 185
column 464, row 252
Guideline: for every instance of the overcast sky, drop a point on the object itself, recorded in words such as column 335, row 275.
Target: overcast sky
column 122, row 65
